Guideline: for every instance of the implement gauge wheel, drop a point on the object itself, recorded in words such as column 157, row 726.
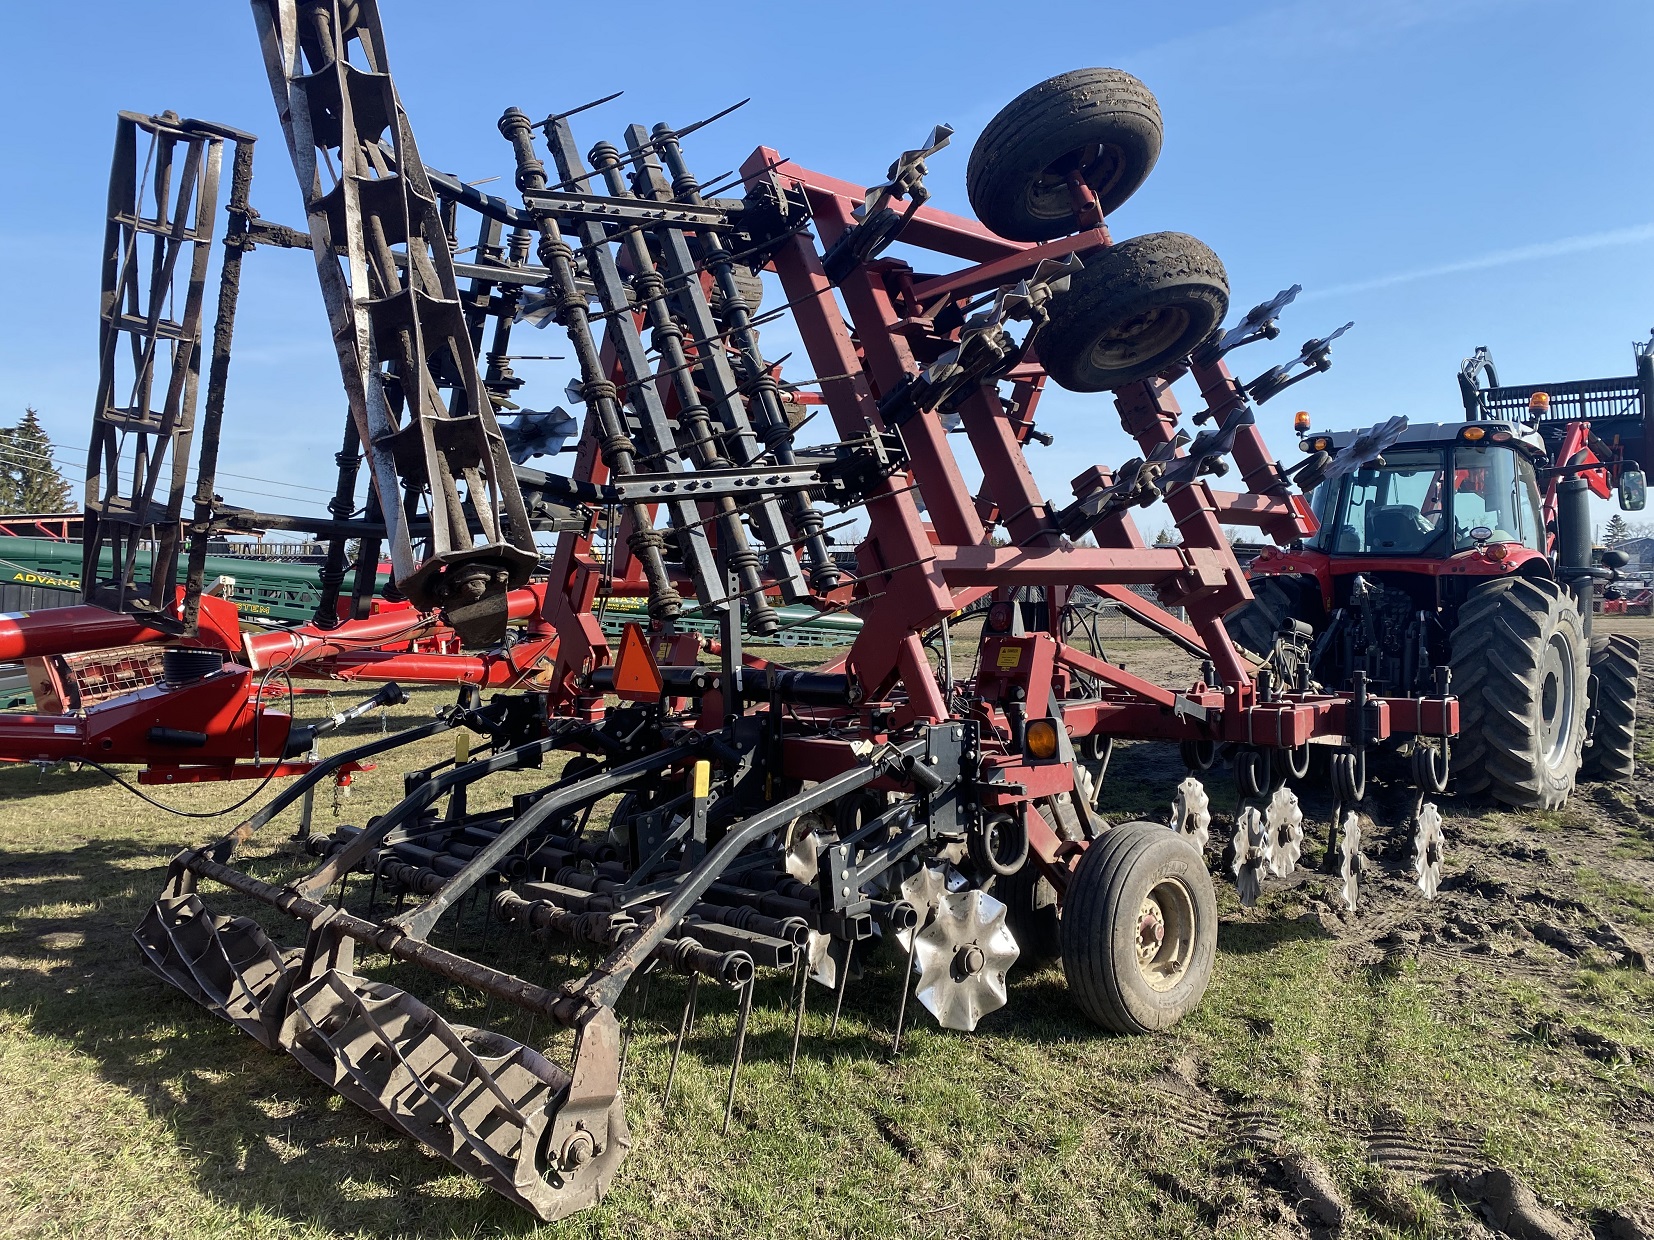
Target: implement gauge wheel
column 1139, row 929
column 1101, row 123
column 1134, row 310
column 1519, row 670
column 1610, row 752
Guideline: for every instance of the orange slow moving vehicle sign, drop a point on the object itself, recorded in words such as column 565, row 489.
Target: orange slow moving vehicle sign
column 637, row 676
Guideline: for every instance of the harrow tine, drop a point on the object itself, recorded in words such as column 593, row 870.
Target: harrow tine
column 683, row 1032
column 801, row 981
column 584, row 107
column 907, row 985
column 740, row 1047
column 843, row 985
column 626, row 1036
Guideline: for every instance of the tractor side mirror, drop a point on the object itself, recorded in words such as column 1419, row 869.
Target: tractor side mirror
column 1633, row 490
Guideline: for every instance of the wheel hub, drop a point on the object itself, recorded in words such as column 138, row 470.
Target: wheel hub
column 1142, row 336
column 1049, row 196
column 1151, row 931
column 1166, row 934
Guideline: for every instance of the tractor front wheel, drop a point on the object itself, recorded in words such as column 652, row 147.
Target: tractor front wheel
column 1519, row 670
column 1139, row 928
column 1610, row 755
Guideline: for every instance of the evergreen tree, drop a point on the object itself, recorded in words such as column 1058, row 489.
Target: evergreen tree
column 29, row 480
column 1619, row 529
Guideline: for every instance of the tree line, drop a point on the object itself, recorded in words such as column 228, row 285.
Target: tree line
column 29, row 478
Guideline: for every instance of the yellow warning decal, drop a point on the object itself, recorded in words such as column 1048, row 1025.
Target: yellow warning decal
column 1009, row 657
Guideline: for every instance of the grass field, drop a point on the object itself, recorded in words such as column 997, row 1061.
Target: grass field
column 1368, row 1069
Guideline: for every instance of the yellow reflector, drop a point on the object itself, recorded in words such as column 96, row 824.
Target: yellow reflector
column 1473, row 432
column 1321, row 445
column 701, row 780
column 1041, row 738
column 1300, row 421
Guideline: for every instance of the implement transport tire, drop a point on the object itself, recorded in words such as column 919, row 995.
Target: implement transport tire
column 1610, row 753
column 1519, row 671
column 1134, row 310
column 1102, row 122
column 748, row 283
column 1139, row 929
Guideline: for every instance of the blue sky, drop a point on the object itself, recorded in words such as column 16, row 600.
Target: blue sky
column 1447, row 173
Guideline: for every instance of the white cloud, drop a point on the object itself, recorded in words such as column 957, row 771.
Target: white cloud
column 1607, row 239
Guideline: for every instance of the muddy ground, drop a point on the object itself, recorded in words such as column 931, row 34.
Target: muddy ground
column 1557, row 901
column 1478, row 1064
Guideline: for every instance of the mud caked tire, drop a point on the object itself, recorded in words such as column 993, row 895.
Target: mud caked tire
column 1103, row 122
column 1121, row 974
column 1610, row 753
column 1134, row 310
column 1519, row 672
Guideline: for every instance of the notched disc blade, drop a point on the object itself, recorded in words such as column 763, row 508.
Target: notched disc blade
column 962, row 959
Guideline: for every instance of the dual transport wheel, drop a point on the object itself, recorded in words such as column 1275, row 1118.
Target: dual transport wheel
column 1137, row 933
column 1137, row 308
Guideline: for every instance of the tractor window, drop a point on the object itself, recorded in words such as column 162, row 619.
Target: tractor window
column 1394, row 508
column 1495, row 487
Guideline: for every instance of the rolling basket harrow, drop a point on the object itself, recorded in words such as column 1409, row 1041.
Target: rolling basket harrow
column 714, row 813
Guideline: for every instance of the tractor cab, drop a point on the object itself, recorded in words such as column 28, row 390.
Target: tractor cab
column 1439, row 492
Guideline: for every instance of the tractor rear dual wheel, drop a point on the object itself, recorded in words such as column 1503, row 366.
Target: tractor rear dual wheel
column 1519, row 671
column 1253, row 626
column 1610, row 754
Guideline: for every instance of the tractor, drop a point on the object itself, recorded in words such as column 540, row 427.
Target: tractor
column 1459, row 554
